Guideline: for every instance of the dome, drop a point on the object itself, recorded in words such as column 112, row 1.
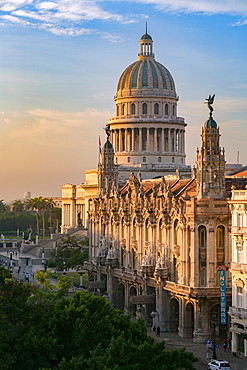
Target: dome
column 210, row 123
column 108, row 145
column 146, row 75
column 146, row 37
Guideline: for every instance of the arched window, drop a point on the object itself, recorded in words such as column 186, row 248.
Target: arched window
column 159, row 159
column 166, row 109
column 128, row 159
column 134, row 229
column 172, row 159
column 133, row 108
column 160, row 231
column 144, row 108
column 220, row 237
column 188, row 236
column 173, row 110
column 144, row 159
column 117, row 110
column 146, row 230
column 156, row 108
column 102, row 227
column 123, row 109
column 220, row 248
column 122, row 228
column 175, row 233
column 202, row 237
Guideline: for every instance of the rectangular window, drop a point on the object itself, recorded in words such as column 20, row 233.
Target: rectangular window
column 239, row 296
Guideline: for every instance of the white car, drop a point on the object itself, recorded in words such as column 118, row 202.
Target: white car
column 219, row 365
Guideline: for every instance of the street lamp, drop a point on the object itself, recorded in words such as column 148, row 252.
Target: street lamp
column 214, row 323
column 43, row 258
column 11, row 263
column 81, row 273
column 64, row 268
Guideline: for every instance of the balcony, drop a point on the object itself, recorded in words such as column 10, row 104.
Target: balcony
column 239, row 195
column 194, row 291
column 239, row 230
column 240, row 267
column 238, row 313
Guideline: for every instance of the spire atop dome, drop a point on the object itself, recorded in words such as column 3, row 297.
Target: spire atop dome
column 146, row 46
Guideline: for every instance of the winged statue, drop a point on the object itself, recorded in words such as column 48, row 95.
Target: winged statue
column 209, row 102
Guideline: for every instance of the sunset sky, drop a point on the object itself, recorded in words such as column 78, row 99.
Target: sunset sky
column 60, row 62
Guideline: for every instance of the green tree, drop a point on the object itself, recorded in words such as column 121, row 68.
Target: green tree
column 72, row 250
column 50, row 204
column 33, row 204
column 3, row 207
column 18, row 206
column 43, row 330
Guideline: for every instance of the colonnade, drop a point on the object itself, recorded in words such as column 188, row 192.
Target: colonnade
column 148, row 139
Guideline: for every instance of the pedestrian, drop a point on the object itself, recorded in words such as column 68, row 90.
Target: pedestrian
column 225, row 345
column 154, row 328
column 158, row 331
column 229, row 344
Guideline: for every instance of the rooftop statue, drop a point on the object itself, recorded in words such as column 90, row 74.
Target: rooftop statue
column 209, row 102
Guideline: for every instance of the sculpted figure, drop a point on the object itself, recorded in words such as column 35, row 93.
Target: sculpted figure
column 209, row 103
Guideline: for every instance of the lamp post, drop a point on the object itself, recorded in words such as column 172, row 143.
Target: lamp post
column 43, row 258
column 11, row 263
column 64, row 268
column 214, row 323
column 81, row 273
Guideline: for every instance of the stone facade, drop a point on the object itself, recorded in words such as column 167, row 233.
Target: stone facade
column 157, row 229
column 156, row 245
column 238, row 310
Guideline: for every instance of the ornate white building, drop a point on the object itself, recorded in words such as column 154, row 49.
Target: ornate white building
column 157, row 229
column 238, row 310
column 147, row 135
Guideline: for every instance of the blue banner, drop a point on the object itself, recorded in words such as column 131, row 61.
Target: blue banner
column 223, row 313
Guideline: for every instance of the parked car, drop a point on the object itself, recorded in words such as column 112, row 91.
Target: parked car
column 219, row 365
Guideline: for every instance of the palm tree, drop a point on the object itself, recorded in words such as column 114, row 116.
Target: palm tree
column 34, row 204
column 18, row 206
column 42, row 206
column 50, row 204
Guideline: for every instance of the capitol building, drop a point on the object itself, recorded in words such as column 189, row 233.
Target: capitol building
column 157, row 228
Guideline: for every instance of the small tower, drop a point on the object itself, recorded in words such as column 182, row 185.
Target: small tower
column 108, row 173
column 210, row 160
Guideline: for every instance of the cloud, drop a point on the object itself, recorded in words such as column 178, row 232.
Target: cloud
column 232, row 7
column 69, row 16
column 239, row 23
column 52, row 127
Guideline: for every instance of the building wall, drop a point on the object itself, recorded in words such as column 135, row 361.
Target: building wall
column 238, row 310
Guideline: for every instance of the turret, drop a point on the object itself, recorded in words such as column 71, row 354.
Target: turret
column 210, row 159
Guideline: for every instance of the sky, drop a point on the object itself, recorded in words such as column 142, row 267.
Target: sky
column 60, row 62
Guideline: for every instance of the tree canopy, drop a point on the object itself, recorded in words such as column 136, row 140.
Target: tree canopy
column 71, row 252
column 46, row 331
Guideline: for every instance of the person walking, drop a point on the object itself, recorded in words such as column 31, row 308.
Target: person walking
column 158, row 331
column 225, row 345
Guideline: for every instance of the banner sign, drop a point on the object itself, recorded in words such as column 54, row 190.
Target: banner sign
column 223, row 313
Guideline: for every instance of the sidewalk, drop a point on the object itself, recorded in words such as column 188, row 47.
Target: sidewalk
column 173, row 341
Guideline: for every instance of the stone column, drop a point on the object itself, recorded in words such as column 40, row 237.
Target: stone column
column 140, row 140
column 115, row 135
column 155, row 139
column 148, row 140
column 211, row 255
column 133, row 139
column 120, row 140
column 169, row 140
column 162, row 140
column 126, row 140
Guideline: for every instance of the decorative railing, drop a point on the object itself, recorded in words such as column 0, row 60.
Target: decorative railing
column 239, row 266
column 238, row 313
column 239, row 230
column 194, row 291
